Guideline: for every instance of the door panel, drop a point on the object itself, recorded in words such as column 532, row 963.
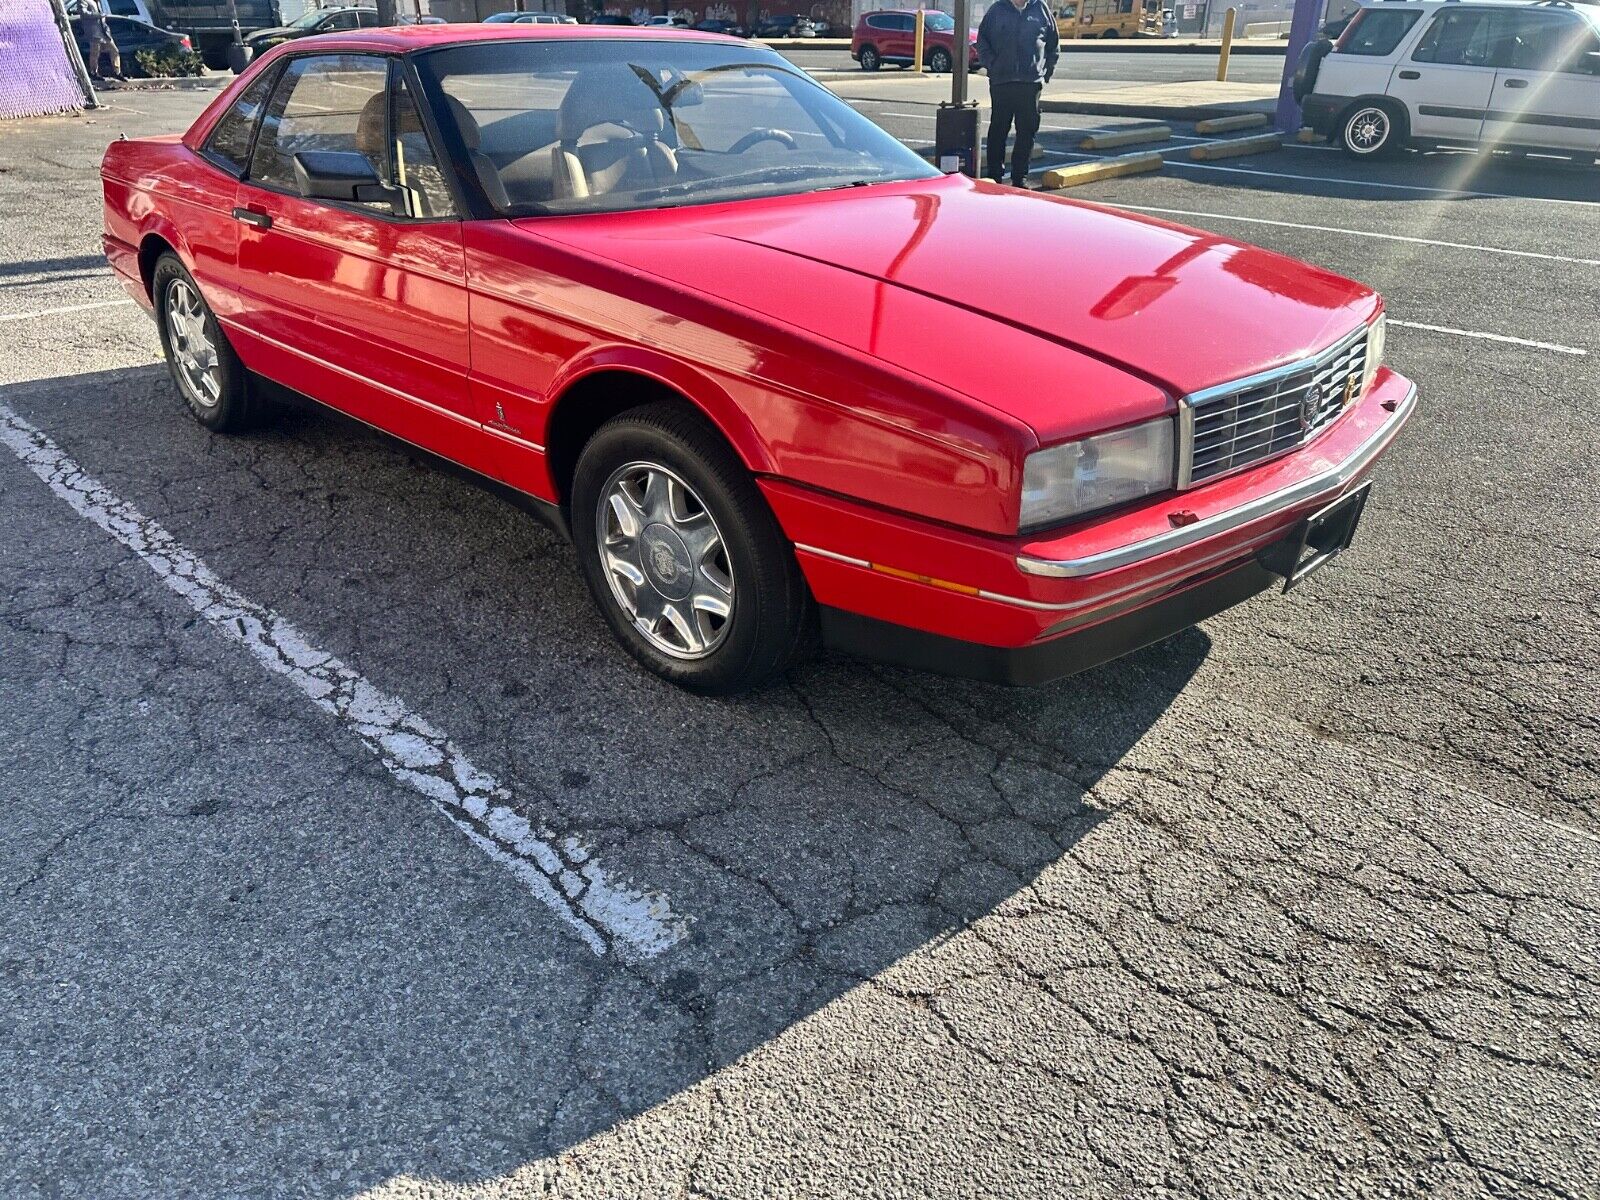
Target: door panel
column 361, row 309
column 1546, row 90
column 1447, row 81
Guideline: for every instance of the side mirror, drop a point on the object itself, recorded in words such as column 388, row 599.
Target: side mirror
column 341, row 175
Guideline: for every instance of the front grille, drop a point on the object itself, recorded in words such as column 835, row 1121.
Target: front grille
column 1238, row 425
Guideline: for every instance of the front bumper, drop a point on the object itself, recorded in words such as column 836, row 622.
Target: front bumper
column 1321, row 112
column 1026, row 609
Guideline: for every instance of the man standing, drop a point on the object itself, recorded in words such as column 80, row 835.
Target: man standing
column 1018, row 46
column 98, row 35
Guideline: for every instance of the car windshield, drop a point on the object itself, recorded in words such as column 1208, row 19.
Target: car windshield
column 308, row 18
column 603, row 126
column 939, row 22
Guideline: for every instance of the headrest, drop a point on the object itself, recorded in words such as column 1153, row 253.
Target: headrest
column 369, row 127
column 465, row 122
column 608, row 95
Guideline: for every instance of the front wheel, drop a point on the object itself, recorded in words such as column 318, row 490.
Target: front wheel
column 682, row 554
column 939, row 62
column 1372, row 131
column 869, row 59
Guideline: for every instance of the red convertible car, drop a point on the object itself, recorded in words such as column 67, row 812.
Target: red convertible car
column 778, row 379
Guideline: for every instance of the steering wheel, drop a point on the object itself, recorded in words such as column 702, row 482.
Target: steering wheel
column 781, row 136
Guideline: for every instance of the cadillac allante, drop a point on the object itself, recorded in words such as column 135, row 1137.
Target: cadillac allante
column 779, row 380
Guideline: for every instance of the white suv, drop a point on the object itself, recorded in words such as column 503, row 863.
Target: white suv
column 1495, row 72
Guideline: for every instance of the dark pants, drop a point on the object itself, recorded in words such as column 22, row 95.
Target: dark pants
column 1010, row 102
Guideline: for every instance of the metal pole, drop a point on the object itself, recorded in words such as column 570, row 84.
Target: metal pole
column 74, row 57
column 1228, row 19
column 958, row 68
column 921, row 25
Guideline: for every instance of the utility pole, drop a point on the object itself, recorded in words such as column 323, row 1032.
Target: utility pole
column 955, row 136
column 59, row 10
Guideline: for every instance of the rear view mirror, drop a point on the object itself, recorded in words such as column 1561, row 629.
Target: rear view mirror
column 688, row 94
column 340, row 175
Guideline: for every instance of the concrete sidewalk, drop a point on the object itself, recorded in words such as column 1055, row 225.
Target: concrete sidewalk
column 1191, row 101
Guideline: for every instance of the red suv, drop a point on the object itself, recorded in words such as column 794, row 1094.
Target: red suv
column 890, row 36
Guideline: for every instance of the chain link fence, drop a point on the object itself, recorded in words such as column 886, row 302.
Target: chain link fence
column 37, row 74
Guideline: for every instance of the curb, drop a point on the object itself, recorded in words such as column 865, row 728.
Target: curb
column 1228, row 124
column 1155, row 112
column 1105, row 168
column 178, row 83
column 1236, row 147
column 1107, row 139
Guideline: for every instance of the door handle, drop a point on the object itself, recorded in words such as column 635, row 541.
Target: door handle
column 251, row 217
column 1517, row 83
column 1410, row 74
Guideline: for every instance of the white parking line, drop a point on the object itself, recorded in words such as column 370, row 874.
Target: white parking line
column 1341, row 181
column 1489, row 337
column 1369, row 233
column 69, row 308
column 558, row 870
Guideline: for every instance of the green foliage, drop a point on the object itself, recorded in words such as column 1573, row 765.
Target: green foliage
column 165, row 62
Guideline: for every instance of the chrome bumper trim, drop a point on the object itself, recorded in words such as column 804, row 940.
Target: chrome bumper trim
column 1233, row 518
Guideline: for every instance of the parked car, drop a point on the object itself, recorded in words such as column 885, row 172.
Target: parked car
column 726, row 28
column 208, row 24
column 599, row 290
column 780, row 25
column 1484, row 72
column 890, row 36
column 611, row 19
column 132, row 36
column 531, row 18
column 313, row 21
column 667, row 21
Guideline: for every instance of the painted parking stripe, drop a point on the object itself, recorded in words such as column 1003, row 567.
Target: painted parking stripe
column 1368, row 233
column 69, row 308
column 1489, row 337
column 560, row 871
column 1341, row 181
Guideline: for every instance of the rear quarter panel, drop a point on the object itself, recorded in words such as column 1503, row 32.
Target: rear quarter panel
column 158, row 187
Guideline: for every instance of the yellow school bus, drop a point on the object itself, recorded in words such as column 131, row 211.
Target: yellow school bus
column 1099, row 18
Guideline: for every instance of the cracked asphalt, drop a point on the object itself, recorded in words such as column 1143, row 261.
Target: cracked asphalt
column 1300, row 903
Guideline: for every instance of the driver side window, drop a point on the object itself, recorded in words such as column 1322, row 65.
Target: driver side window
column 323, row 102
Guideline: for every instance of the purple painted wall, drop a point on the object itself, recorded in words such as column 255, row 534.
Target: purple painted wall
column 35, row 76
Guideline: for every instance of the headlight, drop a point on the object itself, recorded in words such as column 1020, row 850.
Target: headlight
column 1376, row 333
column 1098, row 472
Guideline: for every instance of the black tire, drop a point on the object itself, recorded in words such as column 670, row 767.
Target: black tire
column 1371, row 129
column 234, row 407
column 869, row 59
column 1108, row 34
column 772, row 620
column 939, row 61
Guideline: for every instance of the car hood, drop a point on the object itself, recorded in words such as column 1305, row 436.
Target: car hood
column 282, row 31
column 1006, row 295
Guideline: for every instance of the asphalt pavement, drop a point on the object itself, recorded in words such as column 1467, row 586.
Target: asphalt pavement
column 1299, row 903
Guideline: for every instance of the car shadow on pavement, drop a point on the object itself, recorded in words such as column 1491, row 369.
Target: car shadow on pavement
column 240, row 958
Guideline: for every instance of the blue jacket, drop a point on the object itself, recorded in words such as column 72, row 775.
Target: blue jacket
column 1018, row 46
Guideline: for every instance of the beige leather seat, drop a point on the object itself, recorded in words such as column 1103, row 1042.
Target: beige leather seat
column 482, row 165
column 609, row 136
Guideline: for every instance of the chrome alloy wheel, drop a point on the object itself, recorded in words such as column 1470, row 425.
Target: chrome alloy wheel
column 1367, row 130
column 192, row 348
column 665, row 560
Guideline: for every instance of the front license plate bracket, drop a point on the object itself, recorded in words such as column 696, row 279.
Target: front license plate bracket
column 1317, row 540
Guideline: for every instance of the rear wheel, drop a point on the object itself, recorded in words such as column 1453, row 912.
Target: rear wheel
column 1110, row 33
column 939, row 61
column 682, row 554
column 1372, row 129
column 869, row 59
column 209, row 375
